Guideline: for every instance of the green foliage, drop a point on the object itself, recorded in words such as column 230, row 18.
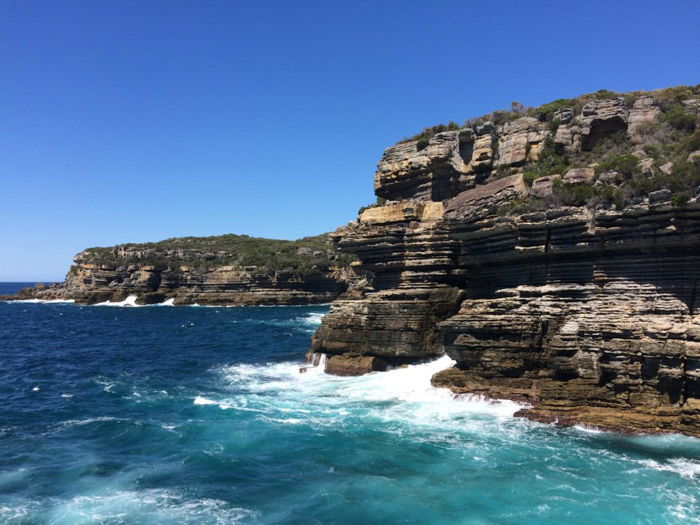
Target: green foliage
column 424, row 136
column 669, row 138
column 609, row 195
column 422, row 143
column 683, row 180
column 530, row 176
column 546, row 112
column 692, row 143
column 680, row 198
column 680, row 119
column 674, row 96
column 625, row 163
column 524, row 205
column 549, row 162
column 652, row 150
column 574, row 195
column 502, row 117
column 603, row 94
column 307, row 256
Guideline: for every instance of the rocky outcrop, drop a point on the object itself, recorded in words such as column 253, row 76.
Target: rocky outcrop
column 590, row 318
column 165, row 271
column 586, row 312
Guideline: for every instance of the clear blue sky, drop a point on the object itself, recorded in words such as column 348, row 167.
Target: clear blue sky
column 141, row 120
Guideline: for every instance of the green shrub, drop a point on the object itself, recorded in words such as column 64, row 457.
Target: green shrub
column 626, row 164
column 422, row 143
column 680, row 119
column 574, row 195
column 680, row 198
column 502, row 117
column 545, row 112
column 424, row 136
column 692, row 143
column 604, row 94
column 530, row 176
column 518, row 206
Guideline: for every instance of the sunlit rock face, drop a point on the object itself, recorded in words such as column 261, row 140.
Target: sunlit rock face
column 587, row 311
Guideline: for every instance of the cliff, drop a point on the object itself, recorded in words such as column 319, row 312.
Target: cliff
column 553, row 253
column 220, row 270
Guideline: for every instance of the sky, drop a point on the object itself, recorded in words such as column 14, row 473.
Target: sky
column 137, row 121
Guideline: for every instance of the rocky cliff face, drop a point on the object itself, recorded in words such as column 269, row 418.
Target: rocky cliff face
column 225, row 270
column 554, row 256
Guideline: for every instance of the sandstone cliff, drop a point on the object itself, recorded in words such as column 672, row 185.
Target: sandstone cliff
column 553, row 253
column 221, row 270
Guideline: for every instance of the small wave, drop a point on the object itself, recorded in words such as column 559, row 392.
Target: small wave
column 313, row 319
column 588, row 429
column 129, row 301
column 153, row 505
column 88, row 421
column 286, row 420
column 401, row 399
column 686, row 468
column 199, row 400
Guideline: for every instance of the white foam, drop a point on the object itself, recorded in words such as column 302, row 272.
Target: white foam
column 200, row 400
column 168, row 302
column 313, row 318
column 129, row 301
column 402, row 397
column 588, row 429
column 686, row 468
column 145, row 506
column 80, row 422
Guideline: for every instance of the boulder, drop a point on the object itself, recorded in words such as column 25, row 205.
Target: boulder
column 579, row 176
column 666, row 168
column 349, row 365
column 658, row 196
column 485, row 197
column 610, row 177
column 544, row 186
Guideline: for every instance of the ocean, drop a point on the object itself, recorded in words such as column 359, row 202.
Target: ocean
column 199, row 415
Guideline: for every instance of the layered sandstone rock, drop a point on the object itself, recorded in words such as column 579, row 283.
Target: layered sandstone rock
column 155, row 273
column 587, row 313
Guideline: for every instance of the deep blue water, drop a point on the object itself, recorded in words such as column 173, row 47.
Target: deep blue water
column 199, row 415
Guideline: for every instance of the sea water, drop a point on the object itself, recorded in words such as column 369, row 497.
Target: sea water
column 200, row 415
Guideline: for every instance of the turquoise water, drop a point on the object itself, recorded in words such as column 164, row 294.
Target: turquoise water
column 200, row 415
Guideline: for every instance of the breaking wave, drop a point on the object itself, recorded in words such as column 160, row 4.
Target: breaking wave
column 402, row 398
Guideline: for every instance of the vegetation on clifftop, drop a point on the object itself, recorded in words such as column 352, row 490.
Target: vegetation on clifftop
column 662, row 155
column 306, row 256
